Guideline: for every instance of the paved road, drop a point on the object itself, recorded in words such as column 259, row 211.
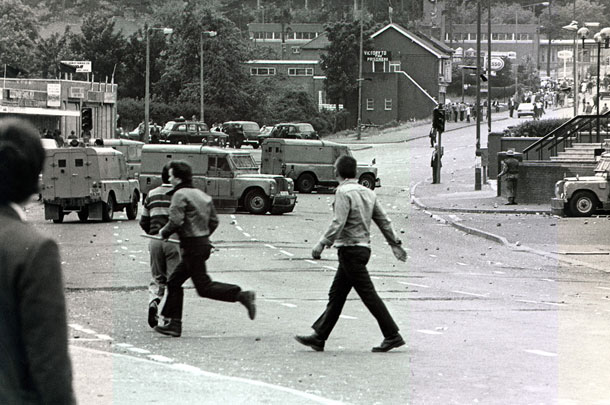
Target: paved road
column 484, row 322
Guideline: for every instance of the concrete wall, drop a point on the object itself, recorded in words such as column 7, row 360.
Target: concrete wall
column 496, row 142
column 537, row 179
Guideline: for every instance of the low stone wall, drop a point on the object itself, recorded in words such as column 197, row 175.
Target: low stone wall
column 537, row 179
column 496, row 142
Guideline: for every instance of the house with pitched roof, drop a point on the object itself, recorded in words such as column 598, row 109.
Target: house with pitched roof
column 405, row 75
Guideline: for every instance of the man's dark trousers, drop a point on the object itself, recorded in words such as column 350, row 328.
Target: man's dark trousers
column 352, row 272
column 195, row 251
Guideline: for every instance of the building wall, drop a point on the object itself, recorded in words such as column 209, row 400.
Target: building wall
column 30, row 99
column 537, row 179
column 419, row 63
column 309, row 83
column 497, row 142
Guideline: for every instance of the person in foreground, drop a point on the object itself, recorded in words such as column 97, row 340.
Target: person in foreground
column 354, row 208
column 35, row 367
column 193, row 217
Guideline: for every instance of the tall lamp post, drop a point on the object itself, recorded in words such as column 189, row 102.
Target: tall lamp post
column 360, row 79
column 201, row 106
column 166, row 31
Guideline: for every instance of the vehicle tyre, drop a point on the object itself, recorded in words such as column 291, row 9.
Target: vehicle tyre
column 306, row 183
column 367, row 181
column 257, row 202
column 132, row 209
column 108, row 209
column 83, row 214
column 60, row 216
column 583, row 204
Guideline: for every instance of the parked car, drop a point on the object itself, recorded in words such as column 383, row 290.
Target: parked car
column 525, row 109
column 290, row 130
column 250, row 130
column 187, row 132
column 581, row 196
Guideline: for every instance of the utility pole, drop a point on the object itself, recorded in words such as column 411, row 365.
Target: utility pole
column 548, row 59
column 477, row 169
column 360, row 79
column 488, row 66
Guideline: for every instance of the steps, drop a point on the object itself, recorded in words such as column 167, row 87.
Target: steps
column 581, row 152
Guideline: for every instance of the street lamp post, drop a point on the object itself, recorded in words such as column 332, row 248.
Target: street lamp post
column 573, row 26
column 201, row 106
column 360, row 79
column 166, row 31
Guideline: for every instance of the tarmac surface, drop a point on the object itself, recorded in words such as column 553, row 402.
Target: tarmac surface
column 120, row 375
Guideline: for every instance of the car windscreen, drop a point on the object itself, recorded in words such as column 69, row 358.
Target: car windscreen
column 250, row 126
column 305, row 128
column 244, row 162
column 169, row 125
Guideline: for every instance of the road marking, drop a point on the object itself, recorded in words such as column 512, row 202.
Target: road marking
column 286, row 304
column 413, row 284
column 547, row 279
column 286, row 253
column 239, row 228
column 461, row 264
column 347, row 317
column 162, row 359
column 429, row 332
column 330, row 267
column 270, row 246
column 138, row 350
column 541, row 353
column 247, row 235
column 473, row 294
column 311, row 261
column 104, row 337
column 603, row 288
column 553, row 303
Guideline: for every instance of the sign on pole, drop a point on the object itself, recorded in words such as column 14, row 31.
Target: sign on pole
column 83, row 66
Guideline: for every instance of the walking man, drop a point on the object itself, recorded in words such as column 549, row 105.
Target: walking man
column 164, row 256
column 354, row 208
column 510, row 169
column 193, row 217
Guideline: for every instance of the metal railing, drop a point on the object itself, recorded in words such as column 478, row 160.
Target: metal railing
column 569, row 133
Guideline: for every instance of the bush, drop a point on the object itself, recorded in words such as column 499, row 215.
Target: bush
column 538, row 128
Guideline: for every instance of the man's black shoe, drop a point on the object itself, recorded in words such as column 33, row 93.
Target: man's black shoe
column 248, row 298
column 153, row 307
column 389, row 344
column 312, row 341
column 171, row 328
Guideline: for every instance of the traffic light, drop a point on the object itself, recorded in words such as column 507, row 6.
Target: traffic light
column 86, row 115
column 438, row 119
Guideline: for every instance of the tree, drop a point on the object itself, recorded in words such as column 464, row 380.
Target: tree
column 99, row 43
column 341, row 62
column 50, row 52
column 18, row 34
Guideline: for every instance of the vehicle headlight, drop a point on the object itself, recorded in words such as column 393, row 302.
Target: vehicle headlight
column 559, row 189
column 272, row 187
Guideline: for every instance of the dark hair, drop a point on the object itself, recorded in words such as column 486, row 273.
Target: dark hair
column 165, row 174
column 181, row 170
column 346, row 166
column 21, row 160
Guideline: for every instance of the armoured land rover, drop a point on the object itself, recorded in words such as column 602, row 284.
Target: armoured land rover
column 582, row 196
column 90, row 181
column 230, row 177
column 132, row 150
column 310, row 163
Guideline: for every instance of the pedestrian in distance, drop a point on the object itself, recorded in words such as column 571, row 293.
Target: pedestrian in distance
column 35, row 366
column 436, row 165
column 510, row 176
column 432, row 136
column 164, row 256
column 193, row 217
column 354, row 208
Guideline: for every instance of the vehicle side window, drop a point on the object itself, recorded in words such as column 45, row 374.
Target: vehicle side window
column 211, row 163
column 192, row 128
column 181, row 127
column 222, row 164
column 78, row 162
column 61, row 163
column 292, row 130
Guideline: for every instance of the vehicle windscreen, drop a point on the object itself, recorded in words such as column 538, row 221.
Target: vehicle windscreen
column 603, row 166
column 306, row 128
column 244, row 162
column 168, row 126
column 250, row 126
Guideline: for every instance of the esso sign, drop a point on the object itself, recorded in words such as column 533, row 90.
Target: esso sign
column 497, row 63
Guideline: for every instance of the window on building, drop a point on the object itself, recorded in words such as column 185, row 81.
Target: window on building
column 300, row 71
column 395, row 66
column 258, row 35
column 296, row 49
column 388, row 104
column 277, row 35
column 379, row 67
column 262, row 71
column 472, row 36
column 370, row 104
